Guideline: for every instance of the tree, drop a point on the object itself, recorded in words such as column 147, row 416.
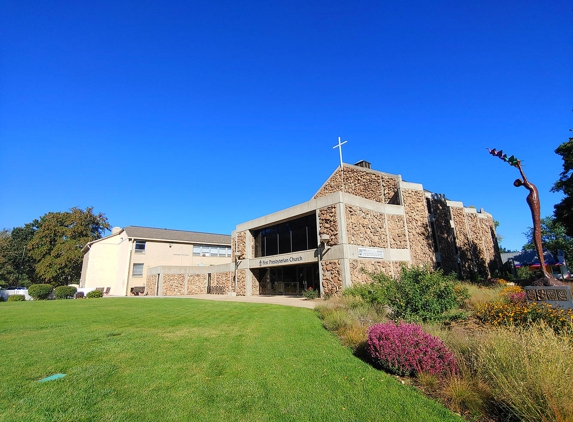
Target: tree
column 564, row 209
column 553, row 237
column 17, row 267
column 57, row 244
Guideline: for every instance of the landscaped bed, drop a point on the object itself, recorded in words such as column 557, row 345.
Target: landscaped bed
column 181, row 359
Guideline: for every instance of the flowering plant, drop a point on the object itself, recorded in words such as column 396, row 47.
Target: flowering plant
column 310, row 293
column 405, row 349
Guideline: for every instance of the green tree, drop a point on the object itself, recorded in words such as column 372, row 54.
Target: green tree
column 17, row 267
column 57, row 244
column 564, row 209
column 553, row 237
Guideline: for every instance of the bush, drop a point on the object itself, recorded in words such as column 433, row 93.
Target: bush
column 16, row 298
column 40, row 291
column 65, row 292
column 523, row 314
column 405, row 349
column 310, row 293
column 79, row 295
column 418, row 295
column 94, row 294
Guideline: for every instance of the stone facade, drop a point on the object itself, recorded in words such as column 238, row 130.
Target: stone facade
column 418, row 229
column 328, row 224
column 255, row 288
column 359, row 269
column 241, row 245
column 444, row 234
column 241, row 282
column 223, row 281
column 331, row 277
column 397, row 231
column 173, row 284
column 391, row 190
column 196, row 284
column 151, row 285
column 366, row 227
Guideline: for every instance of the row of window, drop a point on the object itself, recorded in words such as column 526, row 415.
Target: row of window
column 291, row 236
column 198, row 250
column 210, row 250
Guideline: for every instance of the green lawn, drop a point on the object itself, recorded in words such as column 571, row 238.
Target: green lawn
column 181, row 359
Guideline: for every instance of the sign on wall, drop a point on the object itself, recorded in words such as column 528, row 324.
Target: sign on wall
column 370, row 253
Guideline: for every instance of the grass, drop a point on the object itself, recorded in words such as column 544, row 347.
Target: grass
column 180, row 359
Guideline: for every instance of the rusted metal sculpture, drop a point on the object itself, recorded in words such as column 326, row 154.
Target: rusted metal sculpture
column 533, row 202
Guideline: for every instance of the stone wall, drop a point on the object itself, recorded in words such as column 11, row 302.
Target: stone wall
column 241, row 282
column 363, row 183
column 397, row 231
column 255, row 288
column 445, row 235
column 477, row 244
column 421, row 245
column 491, row 247
column 241, row 245
column 365, row 227
column 360, row 268
column 331, row 277
column 223, row 279
column 328, row 224
column 333, row 184
column 173, row 285
column 196, row 284
column 151, row 285
column 463, row 241
column 391, row 191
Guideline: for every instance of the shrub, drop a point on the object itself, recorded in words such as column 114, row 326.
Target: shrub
column 310, row 293
column 65, row 292
column 16, row 298
column 526, row 314
column 518, row 297
column 405, row 349
column 79, row 295
column 3, row 284
column 40, row 291
column 420, row 294
column 94, row 294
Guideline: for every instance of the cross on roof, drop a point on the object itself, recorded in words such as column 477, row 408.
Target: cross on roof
column 339, row 146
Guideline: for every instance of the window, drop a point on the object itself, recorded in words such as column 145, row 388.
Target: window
column 211, row 250
column 290, row 236
column 139, row 246
column 137, row 270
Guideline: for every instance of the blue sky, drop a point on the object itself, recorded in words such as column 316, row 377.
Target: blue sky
column 202, row 115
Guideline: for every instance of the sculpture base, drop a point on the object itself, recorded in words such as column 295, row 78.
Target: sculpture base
column 558, row 296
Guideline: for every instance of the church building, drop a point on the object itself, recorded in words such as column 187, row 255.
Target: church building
column 360, row 221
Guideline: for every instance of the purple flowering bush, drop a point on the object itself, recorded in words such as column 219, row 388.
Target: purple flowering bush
column 405, row 349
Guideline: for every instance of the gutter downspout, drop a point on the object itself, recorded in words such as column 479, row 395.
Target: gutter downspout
column 131, row 242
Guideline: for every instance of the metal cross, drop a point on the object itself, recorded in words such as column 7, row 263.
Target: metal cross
column 339, row 146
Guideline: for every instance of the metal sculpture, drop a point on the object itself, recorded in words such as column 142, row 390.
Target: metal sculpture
column 533, row 202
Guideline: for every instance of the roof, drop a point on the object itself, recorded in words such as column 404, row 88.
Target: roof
column 529, row 258
column 137, row 232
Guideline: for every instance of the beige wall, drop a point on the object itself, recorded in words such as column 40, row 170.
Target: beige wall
column 164, row 253
column 105, row 264
column 109, row 261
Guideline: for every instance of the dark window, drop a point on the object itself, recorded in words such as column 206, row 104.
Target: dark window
column 139, row 246
column 290, row 236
